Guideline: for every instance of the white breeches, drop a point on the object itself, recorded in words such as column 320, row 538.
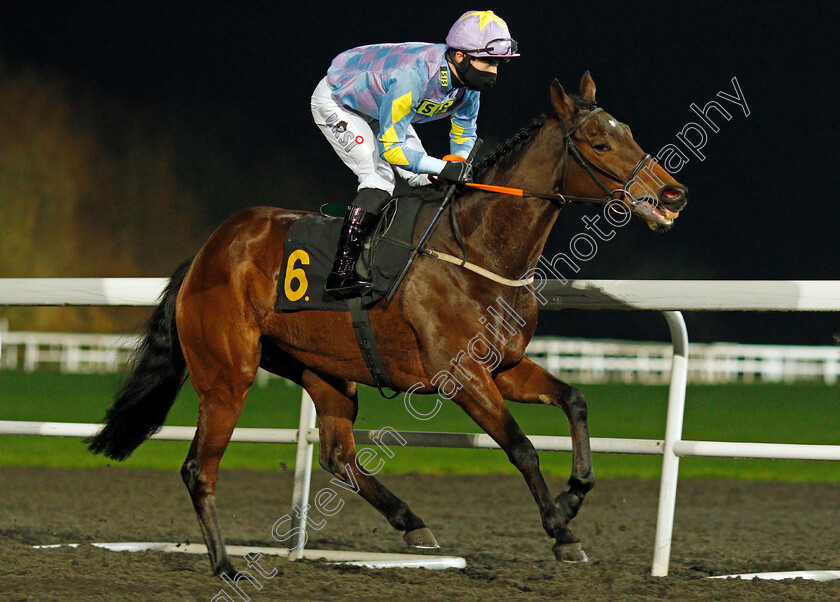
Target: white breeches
column 352, row 136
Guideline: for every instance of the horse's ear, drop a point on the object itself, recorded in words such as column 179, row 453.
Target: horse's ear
column 587, row 87
column 563, row 104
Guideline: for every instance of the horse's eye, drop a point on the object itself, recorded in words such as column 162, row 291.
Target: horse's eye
column 601, row 148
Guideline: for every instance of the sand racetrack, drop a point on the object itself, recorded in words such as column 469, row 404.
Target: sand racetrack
column 722, row 527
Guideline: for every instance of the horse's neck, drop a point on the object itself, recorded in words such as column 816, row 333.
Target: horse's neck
column 504, row 233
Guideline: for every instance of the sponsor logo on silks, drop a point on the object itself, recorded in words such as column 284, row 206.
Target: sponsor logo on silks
column 444, row 77
column 428, row 108
column 343, row 136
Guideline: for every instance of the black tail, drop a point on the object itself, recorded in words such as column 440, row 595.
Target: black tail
column 157, row 373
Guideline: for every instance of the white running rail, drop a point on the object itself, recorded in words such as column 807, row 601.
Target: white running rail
column 666, row 296
column 584, row 361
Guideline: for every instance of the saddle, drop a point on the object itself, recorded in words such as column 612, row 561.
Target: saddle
column 309, row 251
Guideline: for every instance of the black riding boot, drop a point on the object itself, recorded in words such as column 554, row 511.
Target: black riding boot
column 343, row 280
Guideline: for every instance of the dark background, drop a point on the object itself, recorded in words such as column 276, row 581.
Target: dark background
column 762, row 203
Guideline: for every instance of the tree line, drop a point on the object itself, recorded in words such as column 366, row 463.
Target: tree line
column 91, row 186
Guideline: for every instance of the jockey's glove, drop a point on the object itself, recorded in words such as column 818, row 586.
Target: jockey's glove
column 457, row 172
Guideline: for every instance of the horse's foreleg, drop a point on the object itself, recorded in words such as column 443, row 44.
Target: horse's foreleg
column 481, row 399
column 336, row 402
column 529, row 383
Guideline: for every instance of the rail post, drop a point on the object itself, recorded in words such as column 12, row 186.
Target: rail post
column 673, row 433
column 303, row 474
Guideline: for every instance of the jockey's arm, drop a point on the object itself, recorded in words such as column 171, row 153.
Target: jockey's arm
column 463, row 133
column 398, row 107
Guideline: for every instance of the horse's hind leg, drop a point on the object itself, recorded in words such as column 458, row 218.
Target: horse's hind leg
column 223, row 363
column 217, row 416
column 336, row 402
column 529, row 383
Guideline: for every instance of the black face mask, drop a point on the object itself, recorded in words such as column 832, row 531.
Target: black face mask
column 477, row 80
column 472, row 78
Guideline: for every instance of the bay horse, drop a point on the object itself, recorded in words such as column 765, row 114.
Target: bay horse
column 217, row 321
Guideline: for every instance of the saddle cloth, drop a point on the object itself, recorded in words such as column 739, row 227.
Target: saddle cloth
column 310, row 247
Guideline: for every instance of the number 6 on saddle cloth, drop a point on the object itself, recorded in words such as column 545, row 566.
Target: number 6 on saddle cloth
column 309, row 253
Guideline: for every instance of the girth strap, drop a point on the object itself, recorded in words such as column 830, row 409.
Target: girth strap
column 367, row 345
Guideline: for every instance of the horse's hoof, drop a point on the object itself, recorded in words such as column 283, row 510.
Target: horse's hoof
column 569, row 552
column 225, row 568
column 421, row 539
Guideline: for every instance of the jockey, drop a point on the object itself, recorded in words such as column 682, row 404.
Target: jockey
column 371, row 97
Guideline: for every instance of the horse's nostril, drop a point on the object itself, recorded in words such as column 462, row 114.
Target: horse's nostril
column 673, row 197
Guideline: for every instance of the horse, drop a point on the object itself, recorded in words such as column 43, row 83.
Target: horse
column 217, row 323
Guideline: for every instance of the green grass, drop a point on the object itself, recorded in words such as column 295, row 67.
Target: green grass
column 768, row 413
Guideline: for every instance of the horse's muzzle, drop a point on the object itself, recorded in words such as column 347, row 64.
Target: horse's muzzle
column 674, row 198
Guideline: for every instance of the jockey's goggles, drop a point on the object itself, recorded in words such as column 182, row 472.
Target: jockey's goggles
column 500, row 48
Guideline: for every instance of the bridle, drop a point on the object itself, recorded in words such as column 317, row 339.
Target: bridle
column 572, row 149
column 556, row 198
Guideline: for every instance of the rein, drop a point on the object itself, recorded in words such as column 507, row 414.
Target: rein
column 555, row 197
